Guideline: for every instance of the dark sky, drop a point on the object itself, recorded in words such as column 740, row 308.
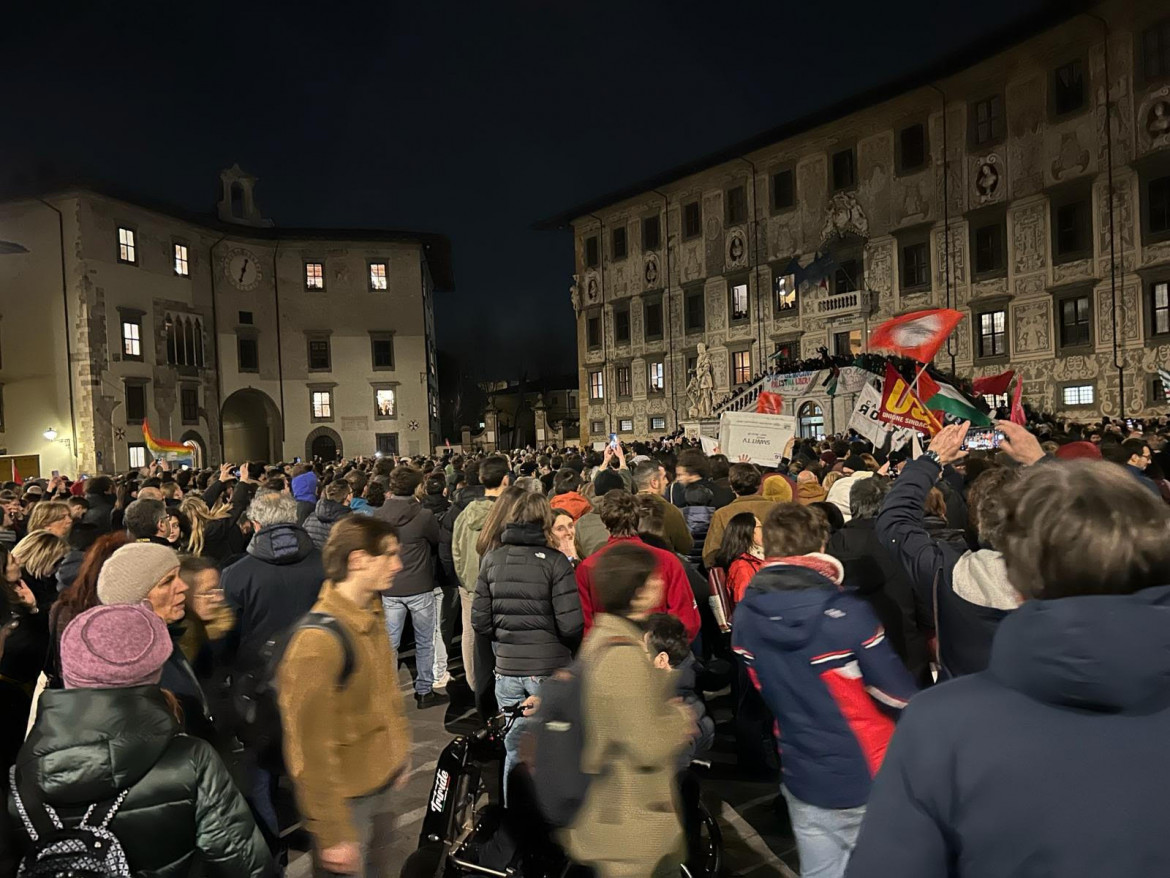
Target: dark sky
column 470, row 118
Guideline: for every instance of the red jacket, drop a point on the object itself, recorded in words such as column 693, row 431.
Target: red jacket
column 740, row 574
column 678, row 597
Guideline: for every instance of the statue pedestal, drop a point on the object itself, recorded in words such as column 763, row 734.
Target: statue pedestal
column 708, row 427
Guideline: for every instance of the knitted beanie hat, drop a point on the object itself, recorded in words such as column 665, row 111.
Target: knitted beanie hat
column 777, row 488
column 114, row 647
column 132, row 571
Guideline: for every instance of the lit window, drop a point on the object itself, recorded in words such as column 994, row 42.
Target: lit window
column 596, row 385
column 137, row 455
column 741, row 367
column 595, row 427
column 127, row 245
column 314, row 275
column 739, row 301
column 1078, row 394
column 181, row 267
column 657, row 377
column 784, row 291
column 131, row 339
column 378, row 276
column 626, row 425
column 322, row 404
column 658, row 423
column 385, row 403
column 1160, row 307
column 623, row 380
column 993, row 334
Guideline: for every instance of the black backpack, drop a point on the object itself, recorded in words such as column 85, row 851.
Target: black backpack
column 88, row 851
column 558, row 738
column 255, row 691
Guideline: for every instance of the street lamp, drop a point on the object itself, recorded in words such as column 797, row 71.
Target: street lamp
column 50, row 434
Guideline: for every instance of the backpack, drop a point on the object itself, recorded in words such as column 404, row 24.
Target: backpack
column 88, row 851
column 255, row 691
column 558, row 739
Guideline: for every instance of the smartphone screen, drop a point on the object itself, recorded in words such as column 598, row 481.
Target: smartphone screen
column 613, row 440
column 982, row 440
column 56, row 473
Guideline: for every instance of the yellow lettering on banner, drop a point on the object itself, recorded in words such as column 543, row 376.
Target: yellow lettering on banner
column 903, row 402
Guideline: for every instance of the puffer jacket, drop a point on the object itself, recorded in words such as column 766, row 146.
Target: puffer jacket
column 321, row 521
column 686, row 687
column 418, row 541
column 183, row 815
column 526, row 602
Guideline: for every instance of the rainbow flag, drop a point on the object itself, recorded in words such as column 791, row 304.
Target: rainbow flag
column 165, row 449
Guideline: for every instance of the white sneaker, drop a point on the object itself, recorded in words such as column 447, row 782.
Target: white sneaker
column 442, row 682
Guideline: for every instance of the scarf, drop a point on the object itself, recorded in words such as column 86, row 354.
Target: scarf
column 826, row 565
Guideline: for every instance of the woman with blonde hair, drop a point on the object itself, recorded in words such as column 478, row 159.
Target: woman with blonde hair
column 39, row 554
column 214, row 526
column 51, row 515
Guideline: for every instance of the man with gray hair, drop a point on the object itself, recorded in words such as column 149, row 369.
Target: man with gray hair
column 874, row 574
column 146, row 521
column 270, row 589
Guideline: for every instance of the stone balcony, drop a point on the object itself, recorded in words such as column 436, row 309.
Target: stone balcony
column 845, row 304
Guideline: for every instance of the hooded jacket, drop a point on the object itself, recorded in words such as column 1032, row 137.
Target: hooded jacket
column 468, row 525
column 838, row 493
column 183, row 814
column 418, row 540
column 526, row 603
column 321, row 520
column 272, row 586
column 973, row 591
column 304, row 487
column 808, row 493
column 822, row 664
column 989, row 775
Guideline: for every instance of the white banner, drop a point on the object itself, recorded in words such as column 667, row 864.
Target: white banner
column 761, row 437
column 852, row 379
column 865, row 422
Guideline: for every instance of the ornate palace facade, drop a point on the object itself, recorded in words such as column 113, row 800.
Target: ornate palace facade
column 984, row 186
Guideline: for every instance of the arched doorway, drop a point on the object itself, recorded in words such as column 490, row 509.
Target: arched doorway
column 810, row 418
column 195, row 442
column 251, row 427
column 323, row 443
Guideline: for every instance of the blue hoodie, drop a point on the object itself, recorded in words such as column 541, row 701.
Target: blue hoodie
column 304, row 487
column 1050, row 762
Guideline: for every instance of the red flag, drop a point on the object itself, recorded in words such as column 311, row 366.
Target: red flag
column 902, row 408
column 927, row 386
column 993, row 385
column 769, row 403
column 1018, row 416
column 918, row 335
column 16, row 474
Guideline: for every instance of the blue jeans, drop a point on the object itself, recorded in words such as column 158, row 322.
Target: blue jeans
column 511, row 691
column 825, row 837
column 422, row 618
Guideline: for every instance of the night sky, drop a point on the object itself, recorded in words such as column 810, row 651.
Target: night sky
column 474, row 119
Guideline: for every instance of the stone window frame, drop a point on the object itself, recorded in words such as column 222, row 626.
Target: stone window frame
column 1086, row 88
column 834, row 184
column 990, row 306
column 733, row 350
column 133, row 244
column 1082, row 382
column 370, row 263
column 846, row 330
column 247, row 333
column 613, row 242
column 914, row 236
column 647, row 247
column 739, row 278
column 774, row 209
column 986, row 218
column 776, row 269
column 649, row 299
column 650, row 419
column 591, row 243
column 622, row 306
column 622, row 428
column 651, row 390
column 306, row 279
column 1152, row 168
column 375, row 386
column 184, row 260
column 698, row 290
column 727, row 202
column 596, row 389
column 628, row 368
column 133, row 317
column 595, row 314
column 377, row 335
column 998, row 132
column 697, row 204
column 596, row 427
column 185, row 388
column 1075, row 192
column 901, row 169
column 318, row 335
column 1068, row 293
column 141, row 383
column 323, row 387
column 1150, row 280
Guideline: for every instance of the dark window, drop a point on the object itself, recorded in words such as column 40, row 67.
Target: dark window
column 1158, row 205
column 591, row 253
column 695, row 315
column 741, row 367
column 987, row 120
column 382, row 351
column 247, row 355
column 651, row 233
column 619, row 242
column 622, row 379
column 1156, row 50
column 189, row 404
column 621, row 325
column 319, row 355
column 844, row 175
column 1068, row 88
column 692, row 220
column 386, row 443
column 1, row 408
column 1072, row 229
column 1075, row 322
column 847, row 343
column 135, row 403
column 1160, row 308
column 184, row 341
column 783, row 190
column 739, row 300
column 653, row 318
column 246, row 318
column 988, row 244
column 912, row 148
column 737, row 209
column 785, row 351
column 915, row 265
column 993, row 334
column 847, row 277
column 593, row 331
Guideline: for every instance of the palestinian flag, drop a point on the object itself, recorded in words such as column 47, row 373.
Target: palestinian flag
column 1165, row 376
column 941, row 397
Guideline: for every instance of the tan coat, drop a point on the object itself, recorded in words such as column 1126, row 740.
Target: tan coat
column 677, row 532
column 753, row 503
column 630, row 818
column 341, row 743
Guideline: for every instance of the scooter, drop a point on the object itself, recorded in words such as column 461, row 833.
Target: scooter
column 467, row 831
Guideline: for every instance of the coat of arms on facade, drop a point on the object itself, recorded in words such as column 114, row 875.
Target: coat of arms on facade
column 844, row 217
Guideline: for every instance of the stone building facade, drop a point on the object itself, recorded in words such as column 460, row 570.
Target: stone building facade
column 245, row 340
column 985, row 188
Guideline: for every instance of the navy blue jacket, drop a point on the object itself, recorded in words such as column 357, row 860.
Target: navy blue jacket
column 822, row 664
column 1050, row 762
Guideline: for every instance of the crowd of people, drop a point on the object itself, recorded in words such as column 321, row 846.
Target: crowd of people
column 955, row 663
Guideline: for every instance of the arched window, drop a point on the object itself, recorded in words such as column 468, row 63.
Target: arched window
column 188, row 342
column 172, row 352
column 811, row 419
column 199, row 343
column 237, row 199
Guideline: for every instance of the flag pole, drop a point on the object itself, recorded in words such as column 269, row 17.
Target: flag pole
column 933, row 419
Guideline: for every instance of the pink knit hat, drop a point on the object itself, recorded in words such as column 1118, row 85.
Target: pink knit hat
column 113, row 647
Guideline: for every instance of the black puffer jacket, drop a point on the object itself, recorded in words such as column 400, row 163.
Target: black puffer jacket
column 320, row 523
column 418, row 540
column 183, row 815
column 526, row 601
